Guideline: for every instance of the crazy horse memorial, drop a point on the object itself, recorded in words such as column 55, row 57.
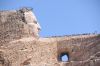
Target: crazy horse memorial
column 21, row 45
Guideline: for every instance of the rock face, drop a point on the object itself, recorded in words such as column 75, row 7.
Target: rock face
column 20, row 44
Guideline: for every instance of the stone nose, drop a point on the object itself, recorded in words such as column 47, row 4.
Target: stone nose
column 39, row 28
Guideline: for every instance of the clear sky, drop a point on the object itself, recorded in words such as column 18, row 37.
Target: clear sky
column 61, row 17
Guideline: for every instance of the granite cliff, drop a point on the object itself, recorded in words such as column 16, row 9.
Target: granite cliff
column 21, row 45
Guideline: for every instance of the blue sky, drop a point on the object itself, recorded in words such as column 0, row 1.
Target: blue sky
column 61, row 17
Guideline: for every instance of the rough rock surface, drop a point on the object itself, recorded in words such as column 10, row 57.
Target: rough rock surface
column 20, row 44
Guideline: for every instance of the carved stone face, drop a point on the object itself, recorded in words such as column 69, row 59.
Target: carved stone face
column 32, row 22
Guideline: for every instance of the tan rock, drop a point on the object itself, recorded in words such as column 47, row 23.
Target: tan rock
column 20, row 44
